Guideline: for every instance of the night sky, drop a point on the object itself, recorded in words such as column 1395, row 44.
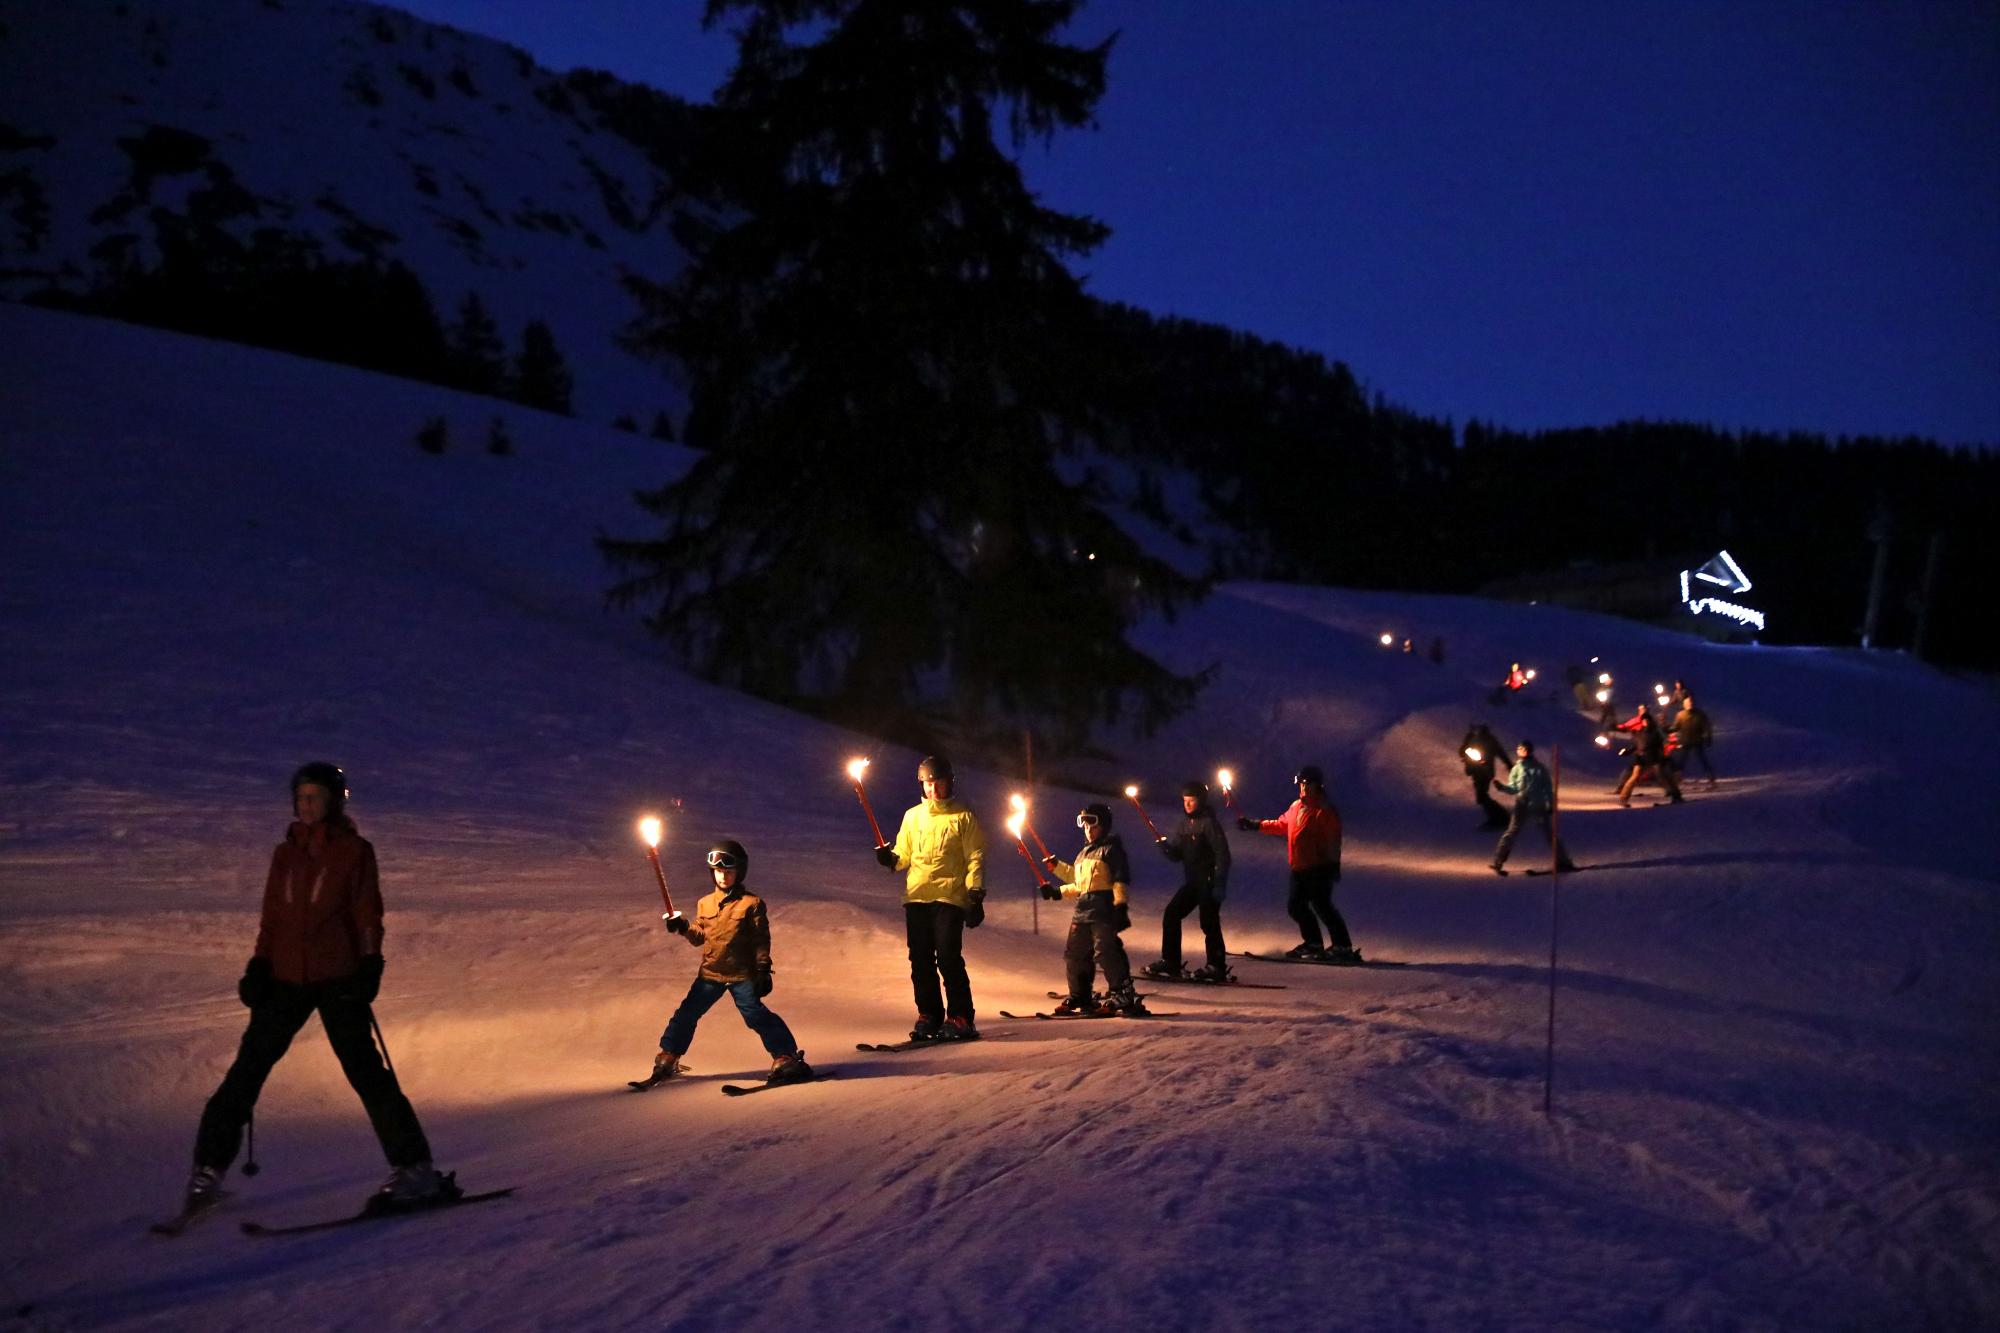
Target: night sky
column 1762, row 214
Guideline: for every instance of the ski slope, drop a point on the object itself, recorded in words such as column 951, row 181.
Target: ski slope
column 1775, row 1061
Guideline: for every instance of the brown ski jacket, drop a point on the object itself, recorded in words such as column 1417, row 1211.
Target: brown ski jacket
column 733, row 933
column 322, row 904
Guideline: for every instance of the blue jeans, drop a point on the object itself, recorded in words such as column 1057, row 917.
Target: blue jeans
column 701, row 997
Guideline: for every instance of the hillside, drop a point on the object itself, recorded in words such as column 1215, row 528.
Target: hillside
column 1775, row 1057
column 352, row 130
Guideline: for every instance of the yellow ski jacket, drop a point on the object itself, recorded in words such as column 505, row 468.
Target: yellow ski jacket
column 943, row 849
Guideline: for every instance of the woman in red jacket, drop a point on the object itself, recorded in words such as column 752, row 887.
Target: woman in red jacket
column 319, row 950
column 1311, row 830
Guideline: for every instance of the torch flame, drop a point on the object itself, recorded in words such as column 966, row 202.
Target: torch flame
column 1604, row 741
column 857, row 768
column 649, row 829
column 1659, row 689
column 1531, row 673
column 1604, row 696
column 1014, row 822
column 1132, row 792
column 1604, row 678
column 1018, row 802
column 1388, row 639
column 1474, row 753
column 1226, row 778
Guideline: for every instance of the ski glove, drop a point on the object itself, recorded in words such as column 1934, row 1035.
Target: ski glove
column 1052, row 893
column 761, row 984
column 976, row 913
column 1121, row 917
column 255, row 986
column 885, row 856
column 1247, row 824
column 366, row 983
column 676, row 923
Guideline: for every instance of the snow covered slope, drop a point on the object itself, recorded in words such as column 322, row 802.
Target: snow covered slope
column 367, row 132
column 1775, row 1073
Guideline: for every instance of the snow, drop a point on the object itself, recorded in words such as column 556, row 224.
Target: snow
column 1774, row 1078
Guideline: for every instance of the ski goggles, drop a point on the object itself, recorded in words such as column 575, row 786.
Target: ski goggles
column 1086, row 821
column 725, row 861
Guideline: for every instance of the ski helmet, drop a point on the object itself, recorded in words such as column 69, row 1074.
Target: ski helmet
column 1529, row 746
column 937, row 768
column 1198, row 790
column 1096, row 812
column 728, row 854
column 322, row 774
column 1310, row 775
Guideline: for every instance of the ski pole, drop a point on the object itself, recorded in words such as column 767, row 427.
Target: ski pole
column 854, row 772
column 1132, row 795
column 382, row 1043
column 250, row 1167
column 649, row 829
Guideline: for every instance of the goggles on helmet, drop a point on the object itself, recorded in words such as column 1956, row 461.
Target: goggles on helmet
column 721, row 860
column 1086, row 820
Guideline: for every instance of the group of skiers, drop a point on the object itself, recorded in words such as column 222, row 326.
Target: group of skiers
column 320, row 930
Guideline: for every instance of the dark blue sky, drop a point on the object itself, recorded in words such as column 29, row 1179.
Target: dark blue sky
column 1756, row 213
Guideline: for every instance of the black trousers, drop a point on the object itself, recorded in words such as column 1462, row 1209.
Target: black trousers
column 1189, row 898
column 349, row 1028
column 1093, row 943
column 1312, row 895
column 1697, row 752
column 1496, row 813
column 1539, row 818
column 936, row 934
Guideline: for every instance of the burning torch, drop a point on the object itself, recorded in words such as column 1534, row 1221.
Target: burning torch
column 1227, row 781
column 854, row 771
column 1132, row 795
column 649, row 829
column 1388, row 640
column 1474, row 753
column 1019, row 803
column 1015, row 823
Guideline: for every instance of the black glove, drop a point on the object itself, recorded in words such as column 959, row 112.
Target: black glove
column 1121, row 917
column 677, row 923
column 255, row 987
column 885, row 856
column 761, row 984
column 976, row 913
column 1052, row 893
column 1246, row 823
column 366, row 982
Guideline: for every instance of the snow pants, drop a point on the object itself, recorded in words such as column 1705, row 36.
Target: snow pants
column 1189, row 898
column 1093, row 944
column 1660, row 769
column 757, row 1016
column 1542, row 819
column 1482, row 795
column 1698, row 752
column 936, row 935
column 1312, row 895
column 349, row 1028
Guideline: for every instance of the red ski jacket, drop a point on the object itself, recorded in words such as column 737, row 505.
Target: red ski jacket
column 322, row 904
column 1311, row 833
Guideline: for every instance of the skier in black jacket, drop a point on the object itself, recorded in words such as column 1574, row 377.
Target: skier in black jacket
column 1480, row 750
column 1203, row 852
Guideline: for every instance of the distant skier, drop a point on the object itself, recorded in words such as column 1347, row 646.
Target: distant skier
column 1311, row 830
column 1649, row 757
column 1534, row 793
column 942, row 851
column 733, row 931
column 1691, row 728
column 1202, row 849
column 1479, row 751
column 1100, row 879
column 318, row 950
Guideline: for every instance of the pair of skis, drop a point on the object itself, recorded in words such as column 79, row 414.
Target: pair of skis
column 1318, row 962
column 920, row 1043
column 656, row 1078
column 187, row 1217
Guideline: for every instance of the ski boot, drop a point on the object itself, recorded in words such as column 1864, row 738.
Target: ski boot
column 957, row 1029
column 1122, row 1003
column 1162, row 968
column 1348, row 956
column 411, row 1187
column 790, row 1069
column 1212, row 973
column 1069, row 1004
column 1309, row 952
column 925, row 1028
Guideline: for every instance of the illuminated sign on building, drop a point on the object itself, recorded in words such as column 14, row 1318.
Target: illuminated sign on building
column 1723, row 573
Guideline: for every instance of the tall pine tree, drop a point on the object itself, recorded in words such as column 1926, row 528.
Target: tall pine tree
column 886, row 358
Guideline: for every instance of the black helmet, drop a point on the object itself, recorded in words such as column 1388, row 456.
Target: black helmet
column 1310, row 775
column 322, row 774
column 1097, row 811
column 1529, row 746
column 937, row 768
column 728, row 854
column 1198, row 790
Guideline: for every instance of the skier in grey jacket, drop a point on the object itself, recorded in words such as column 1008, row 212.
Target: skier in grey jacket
column 1534, row 794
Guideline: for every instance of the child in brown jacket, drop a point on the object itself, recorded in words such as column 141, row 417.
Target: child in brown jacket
column 733, row 932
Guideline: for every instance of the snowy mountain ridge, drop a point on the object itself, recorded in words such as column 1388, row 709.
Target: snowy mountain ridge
column 1774, row 1060
column 354, row 128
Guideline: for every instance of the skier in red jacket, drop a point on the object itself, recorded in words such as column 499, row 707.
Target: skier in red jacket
column 1311, row 830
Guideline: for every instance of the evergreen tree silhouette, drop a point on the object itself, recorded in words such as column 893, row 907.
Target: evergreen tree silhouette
column 541, row 377
column 884, row 349
column 478, row 353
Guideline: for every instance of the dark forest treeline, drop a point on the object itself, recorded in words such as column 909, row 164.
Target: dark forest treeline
column 1329, row 484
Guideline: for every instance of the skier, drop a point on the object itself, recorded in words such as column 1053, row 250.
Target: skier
column 1100, row 880
column 1692, row 727
column 1534, row 794
column 1649, row 755
column 1203, row 852
column 1480, row 750
column 318, row 950
column 1311, row 830
column 733, row 932
column 942, row 851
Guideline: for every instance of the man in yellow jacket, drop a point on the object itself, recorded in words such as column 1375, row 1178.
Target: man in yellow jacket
column 942, row 852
